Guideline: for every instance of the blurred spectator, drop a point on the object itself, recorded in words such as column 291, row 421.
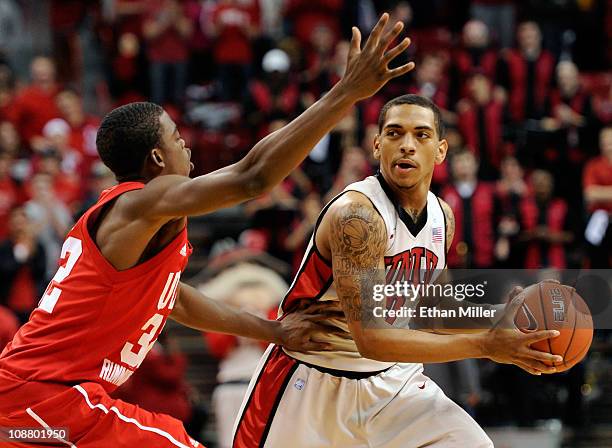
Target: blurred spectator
column 22, row 266
column 597, row 182
column 306, row 15
column 527, row 73
column 570, row 112
column 65, row 182
column 257, row 290
column 8, row 326
column 50, row 217
column 499, row 17
column 66, row 17
column 272, row 18
column 100, row 179
column 481, row 122
column 167, row 30
column 7, row 92
column 354, row 167
column 474, row 55
column 271, row 218
column 303, row 227
column 321, row 72
column 275, row 95
column 430, row 81
column 10, row 192
column 544, row 225
column 83, row 128
column 510, row 190
column 233, row 26
column 57, row 135
column 35, row 105
column 11, row 31
column 473, row 204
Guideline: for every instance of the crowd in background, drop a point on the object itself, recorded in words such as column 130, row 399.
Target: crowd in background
column 524, row 87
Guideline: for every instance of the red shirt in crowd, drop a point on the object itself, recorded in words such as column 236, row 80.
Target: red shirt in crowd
column 169, row 46
column 598, row 171
column 233, row 45
column 35, row 107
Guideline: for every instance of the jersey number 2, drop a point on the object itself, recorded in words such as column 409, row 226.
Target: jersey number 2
column 73, row 247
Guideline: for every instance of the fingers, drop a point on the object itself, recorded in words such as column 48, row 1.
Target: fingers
column 527, row 369
column 530, row 338
column 390, row 36
column 355, row 41
column 515, row 292
column 513, row 306
column 397, row 50
column 311, row 346
column 376, row 31
column 537, row 366
column 399, row 71
column 543, row 356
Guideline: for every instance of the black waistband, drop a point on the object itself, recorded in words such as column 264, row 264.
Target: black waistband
column 351, row 375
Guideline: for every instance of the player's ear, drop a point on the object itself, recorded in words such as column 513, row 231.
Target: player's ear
column 377, row 147
column 441, row 151
column 157, row 158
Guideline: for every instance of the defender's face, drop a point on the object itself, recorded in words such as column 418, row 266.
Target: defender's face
column 177, row 157
column 408, row 146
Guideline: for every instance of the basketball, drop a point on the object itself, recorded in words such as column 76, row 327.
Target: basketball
column 552, row 306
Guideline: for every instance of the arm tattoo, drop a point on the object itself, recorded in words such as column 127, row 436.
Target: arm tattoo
column 358, row 242
column 450, row 223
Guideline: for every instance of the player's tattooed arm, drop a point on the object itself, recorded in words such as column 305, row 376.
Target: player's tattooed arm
column 450, row 223
column 357, row 240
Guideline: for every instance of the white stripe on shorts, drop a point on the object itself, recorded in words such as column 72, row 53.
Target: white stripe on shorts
column 37, row 417
column 130, row 420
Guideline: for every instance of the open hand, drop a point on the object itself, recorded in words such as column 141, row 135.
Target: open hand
column 367, row 69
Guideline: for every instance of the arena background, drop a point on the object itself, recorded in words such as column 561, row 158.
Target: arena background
column 525, row 87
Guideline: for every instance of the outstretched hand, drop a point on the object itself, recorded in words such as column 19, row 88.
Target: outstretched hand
column 367, row 69
column 506, row 344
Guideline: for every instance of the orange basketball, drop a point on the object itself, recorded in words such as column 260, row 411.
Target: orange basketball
column 551, row 306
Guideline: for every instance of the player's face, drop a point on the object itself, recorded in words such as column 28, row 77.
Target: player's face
column 176, row 156
column 408, row 146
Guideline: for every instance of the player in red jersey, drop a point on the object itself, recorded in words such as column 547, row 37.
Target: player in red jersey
column 120, row 266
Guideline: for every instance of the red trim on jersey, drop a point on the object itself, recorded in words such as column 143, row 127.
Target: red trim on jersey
column 259, row 412
column 311, row 282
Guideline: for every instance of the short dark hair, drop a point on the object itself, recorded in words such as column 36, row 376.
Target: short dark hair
column 126, row 136
column 417, row 100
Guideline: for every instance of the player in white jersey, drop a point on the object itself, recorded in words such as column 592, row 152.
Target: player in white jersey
column 369, row 391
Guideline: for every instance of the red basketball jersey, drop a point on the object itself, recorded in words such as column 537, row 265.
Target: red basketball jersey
column 94, row 323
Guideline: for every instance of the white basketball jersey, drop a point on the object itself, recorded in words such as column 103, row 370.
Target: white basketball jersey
column 415, row 251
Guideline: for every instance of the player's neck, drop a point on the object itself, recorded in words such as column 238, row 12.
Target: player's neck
column 413, row 199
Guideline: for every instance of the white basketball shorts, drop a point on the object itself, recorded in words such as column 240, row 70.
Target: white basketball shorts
column 293, row 404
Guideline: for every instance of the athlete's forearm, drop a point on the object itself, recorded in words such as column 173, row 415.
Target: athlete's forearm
column 193, row 309
column 398, row 345
column 274, row 157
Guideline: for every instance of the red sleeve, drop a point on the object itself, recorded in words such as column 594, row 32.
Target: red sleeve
column 219, row 345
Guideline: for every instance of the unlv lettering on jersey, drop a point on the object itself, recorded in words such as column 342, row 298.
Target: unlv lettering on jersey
column 416, row 265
